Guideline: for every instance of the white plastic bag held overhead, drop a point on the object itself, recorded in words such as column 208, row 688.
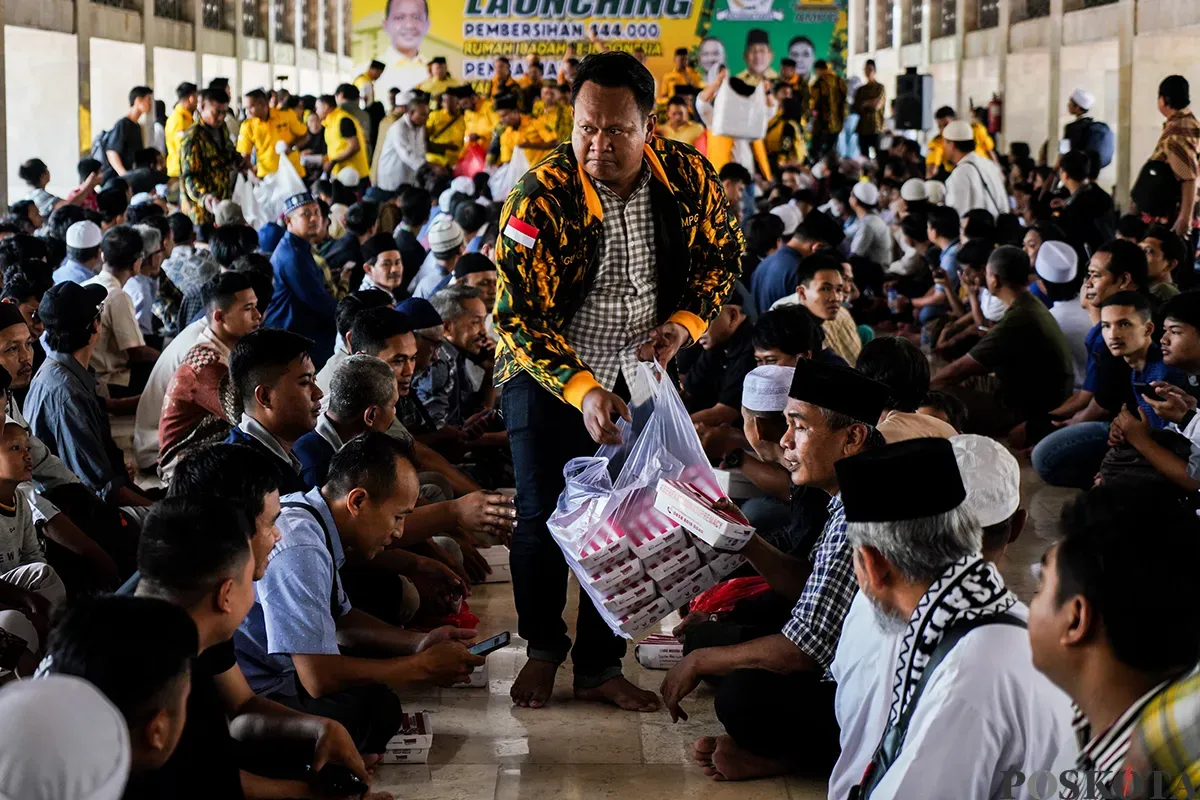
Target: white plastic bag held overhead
column 740, row 115
column 274, row 190
column 244, row 196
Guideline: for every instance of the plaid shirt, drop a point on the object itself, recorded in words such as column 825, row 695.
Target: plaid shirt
column 1169, row 736
column 816, row 623
column 1179, row 146
column 621, row 307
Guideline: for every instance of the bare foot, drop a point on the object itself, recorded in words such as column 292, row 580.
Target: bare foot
column 535, row 684
column 702, row 752
column 732, row 763
column 621, row 693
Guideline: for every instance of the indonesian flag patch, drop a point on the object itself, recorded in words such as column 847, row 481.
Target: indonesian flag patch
column 521, row 232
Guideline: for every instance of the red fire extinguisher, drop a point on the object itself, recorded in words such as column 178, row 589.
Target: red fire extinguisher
column 995, row 110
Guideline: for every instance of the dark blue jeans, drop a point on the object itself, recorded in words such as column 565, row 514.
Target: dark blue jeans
column 545, row 433
column 1071, row 456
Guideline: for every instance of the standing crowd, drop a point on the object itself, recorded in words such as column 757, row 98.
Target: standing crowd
column 335, row 411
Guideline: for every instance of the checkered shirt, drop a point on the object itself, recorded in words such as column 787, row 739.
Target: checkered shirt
column 1179, row 146
column 621, row 307
column 816, row 623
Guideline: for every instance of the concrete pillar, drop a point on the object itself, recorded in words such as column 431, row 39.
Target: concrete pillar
column 3, row 119
column 83, row 52
column 239, row 45
column 1005, row 25
column 901, row 21
column 342, row 5
column 272, row 6
column 148, row 48
column 1123, row 156
column 873, row 43
column 1054, row 104
column 960, row 49
column 197, row 42
column 927, row 35
column 854, row 22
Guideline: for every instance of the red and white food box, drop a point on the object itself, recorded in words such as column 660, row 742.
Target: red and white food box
column 642, row 620
column 416, row 732
column 686, row 587
column 671, row 564
column 607, row 545
column 615, row 575
column 627, row 599
column 404, row 755
column 725, row 563
column 653, row 533
column 723, row 530
column 497, row 558
column 659, row 651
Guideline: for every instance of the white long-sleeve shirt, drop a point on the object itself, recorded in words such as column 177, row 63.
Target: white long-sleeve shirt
column 985, row 711
column 977, row 182
column 403, row 154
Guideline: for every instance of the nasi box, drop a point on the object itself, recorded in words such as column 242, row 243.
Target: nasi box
column 722, row 529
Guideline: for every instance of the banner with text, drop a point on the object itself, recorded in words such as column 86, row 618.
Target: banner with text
column 405, row 34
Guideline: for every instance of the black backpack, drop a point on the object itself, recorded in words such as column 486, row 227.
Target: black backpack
column 1157, row 190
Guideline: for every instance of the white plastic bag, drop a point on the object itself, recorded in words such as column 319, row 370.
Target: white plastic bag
column 243, row 195
column 596, row 509
column 739, row 116
column 506, row 177
column 274, row 190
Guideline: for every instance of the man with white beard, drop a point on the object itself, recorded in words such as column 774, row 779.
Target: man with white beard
column 934, row 662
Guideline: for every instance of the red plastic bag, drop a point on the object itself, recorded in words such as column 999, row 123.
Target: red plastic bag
column 473, row 161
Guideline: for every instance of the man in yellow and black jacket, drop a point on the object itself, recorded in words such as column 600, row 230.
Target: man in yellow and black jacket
column 619, row 246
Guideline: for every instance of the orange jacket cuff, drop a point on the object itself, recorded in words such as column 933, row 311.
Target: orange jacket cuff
column 695, row 326
column 578, row 387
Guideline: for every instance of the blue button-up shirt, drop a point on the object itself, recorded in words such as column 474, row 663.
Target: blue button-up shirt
column 291, row 612
column 300, row 301
column 72, row 270
column 66, row 414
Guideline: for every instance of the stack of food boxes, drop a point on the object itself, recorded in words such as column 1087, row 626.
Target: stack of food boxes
column 661, row 547
column 411, row 745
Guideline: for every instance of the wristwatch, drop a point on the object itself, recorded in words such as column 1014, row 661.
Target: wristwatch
column 734, row 459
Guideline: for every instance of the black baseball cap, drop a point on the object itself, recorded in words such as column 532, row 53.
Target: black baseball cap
column 69, row 306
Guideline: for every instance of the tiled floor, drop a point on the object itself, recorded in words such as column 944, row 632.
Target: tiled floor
column 486, row 748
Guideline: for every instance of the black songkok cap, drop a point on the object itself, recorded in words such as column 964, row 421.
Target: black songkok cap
column 841, row 389
column 908, row 480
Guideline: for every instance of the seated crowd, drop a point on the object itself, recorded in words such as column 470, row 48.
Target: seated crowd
column 318, row 456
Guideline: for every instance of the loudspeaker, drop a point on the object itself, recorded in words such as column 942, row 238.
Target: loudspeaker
column 914, row 101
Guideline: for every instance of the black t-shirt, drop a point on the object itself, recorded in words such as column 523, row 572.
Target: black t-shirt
column 204, row 765
column 346, row 128
column 717, row 375
column 340, row 252
column 125, row 139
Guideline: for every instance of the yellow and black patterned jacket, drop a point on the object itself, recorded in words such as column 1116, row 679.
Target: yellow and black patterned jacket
column 699, row 245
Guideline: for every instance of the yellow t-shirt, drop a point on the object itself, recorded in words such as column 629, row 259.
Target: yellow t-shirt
column 560, row 119
column 436, row 88
column 674, row 79
column 984, row 145
column 336, row 143
column 180, row 120
column 531, row 132
column 688, row 133
column 261, row 136
column 483, row 121
column 443, row 129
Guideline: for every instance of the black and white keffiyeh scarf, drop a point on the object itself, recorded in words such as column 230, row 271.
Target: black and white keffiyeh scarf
column 970, row 588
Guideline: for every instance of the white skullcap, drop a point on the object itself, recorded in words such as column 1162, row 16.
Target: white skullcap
column 140, row 198
column 1056, row 262
column 1083, row 98
column 866, row 192
column 819, row 170
column 61, row 740
column 766, row 388
column 958, row 131
column 914, row 189
column 935, row 192
column 991, row 476
column 444, row 200
column 84, row 234
column 791, row 217
column 463, row 185
column 349, row 177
